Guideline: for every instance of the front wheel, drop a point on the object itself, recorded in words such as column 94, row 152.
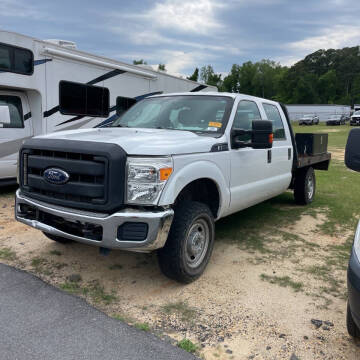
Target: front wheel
column 305, row 186
column 352, row 328
column 190, row 243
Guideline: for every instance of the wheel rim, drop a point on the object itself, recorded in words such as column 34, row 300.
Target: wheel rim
column 310, row 187
column 197, row 243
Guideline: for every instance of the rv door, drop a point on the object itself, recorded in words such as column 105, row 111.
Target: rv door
column 15, row 127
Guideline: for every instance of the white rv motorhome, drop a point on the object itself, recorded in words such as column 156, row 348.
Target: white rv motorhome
column 48, row 86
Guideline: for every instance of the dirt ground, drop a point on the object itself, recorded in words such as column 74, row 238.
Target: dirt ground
column 249, row 304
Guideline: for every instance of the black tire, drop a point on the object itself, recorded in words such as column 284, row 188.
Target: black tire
column 174, row 258
column 58, row 239
column 352, row 328
column 302, row 192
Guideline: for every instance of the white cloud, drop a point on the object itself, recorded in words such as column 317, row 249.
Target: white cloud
column 335, row 37
column 18, row 8
column 187, row 16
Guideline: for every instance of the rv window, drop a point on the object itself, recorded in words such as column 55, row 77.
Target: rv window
column 11, row 114
column 83, row 99
column 16, row 60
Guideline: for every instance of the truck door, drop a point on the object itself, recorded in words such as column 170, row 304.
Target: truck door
column 15, row 127
column 250, row 169
column 281, row 154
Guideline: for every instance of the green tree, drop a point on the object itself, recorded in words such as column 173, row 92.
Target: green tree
column 195, row 75
column 161, row 67
column 208, row 76
column 327, row 87
column 139, row 62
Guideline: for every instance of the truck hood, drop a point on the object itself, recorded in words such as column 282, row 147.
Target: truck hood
column 142, row 141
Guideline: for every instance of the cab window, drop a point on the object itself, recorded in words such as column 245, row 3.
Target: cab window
column 246, row 112
column 11, row 114
column 273, row 114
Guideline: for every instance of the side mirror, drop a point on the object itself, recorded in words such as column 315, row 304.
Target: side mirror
column 260, row 137
column 4, row 116
column 262, row 134
column 123, row 104
column 352, row 152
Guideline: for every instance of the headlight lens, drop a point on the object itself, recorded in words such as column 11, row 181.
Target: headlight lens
column 146, row 178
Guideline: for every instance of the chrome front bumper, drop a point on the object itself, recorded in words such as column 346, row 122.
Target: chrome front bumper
column 158, row 222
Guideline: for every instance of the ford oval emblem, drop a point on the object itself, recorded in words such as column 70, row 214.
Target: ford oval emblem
column 56, row 176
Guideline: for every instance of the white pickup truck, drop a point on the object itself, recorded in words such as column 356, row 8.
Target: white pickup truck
column 161, row 175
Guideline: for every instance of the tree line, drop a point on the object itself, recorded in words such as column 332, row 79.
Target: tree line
column 323, row 77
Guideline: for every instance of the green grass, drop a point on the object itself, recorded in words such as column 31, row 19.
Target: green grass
column 55, row 252
column 187, row 345
column 336, row 139
column 115, row 267
column 283, row 281
column 94, row 290
column 180, row 308
column 7, row 254
column 142, row 326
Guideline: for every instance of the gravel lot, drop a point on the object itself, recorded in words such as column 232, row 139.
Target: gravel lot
column 258, row 298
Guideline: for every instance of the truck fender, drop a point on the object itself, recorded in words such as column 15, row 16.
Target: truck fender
column 196, row 170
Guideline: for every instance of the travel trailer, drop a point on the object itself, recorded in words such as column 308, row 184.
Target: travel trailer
column 48, row 86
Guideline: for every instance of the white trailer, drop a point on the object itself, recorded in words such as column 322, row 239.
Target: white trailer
column 48, row 86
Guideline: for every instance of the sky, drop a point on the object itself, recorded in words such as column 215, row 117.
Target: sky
column 184, row 34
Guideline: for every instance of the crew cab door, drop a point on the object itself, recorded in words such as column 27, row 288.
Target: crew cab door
column 258, row 174
column 15, row 127
column 281, row 157
column 250, row 170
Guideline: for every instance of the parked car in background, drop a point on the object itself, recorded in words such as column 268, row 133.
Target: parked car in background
column 336, row 119
column 355, row 118
column 352, row 156
column 309, row 119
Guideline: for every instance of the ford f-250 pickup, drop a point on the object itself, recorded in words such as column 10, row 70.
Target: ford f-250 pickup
column 163, row 173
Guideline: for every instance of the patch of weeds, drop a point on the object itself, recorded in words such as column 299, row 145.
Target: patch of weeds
column 7, row 254
column 187, row 345
column 55, row 252
column 40, row 265
column 180, row 308
column 98, row 294
column 115, row 267
column 71, row 287
column 283, row 281
column 94, row 290
column 142, row 326
column 124, row 318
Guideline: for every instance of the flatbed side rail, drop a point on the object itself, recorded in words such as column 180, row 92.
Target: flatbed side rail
column 318, row 162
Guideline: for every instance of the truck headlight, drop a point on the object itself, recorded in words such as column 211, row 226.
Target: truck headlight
column 146, row 178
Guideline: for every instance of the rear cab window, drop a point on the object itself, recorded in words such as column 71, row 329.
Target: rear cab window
column 11, row 112
column 273, row 114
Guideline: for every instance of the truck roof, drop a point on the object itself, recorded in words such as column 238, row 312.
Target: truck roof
column 213, row 93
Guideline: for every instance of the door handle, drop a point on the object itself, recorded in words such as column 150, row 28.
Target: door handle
column 289, row 153
column 269, row 156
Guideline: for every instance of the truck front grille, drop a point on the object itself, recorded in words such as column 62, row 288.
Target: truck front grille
column 87, row 175
column 93, row 171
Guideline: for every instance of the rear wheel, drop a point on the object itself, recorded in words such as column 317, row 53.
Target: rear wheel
column 190, row 243
column 352, row 328
column 305, row 186
column 58, row 239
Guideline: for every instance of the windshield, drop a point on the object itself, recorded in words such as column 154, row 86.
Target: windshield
column 357, row 112
column 198, row 113
column 307, row 116
column 335, row 117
